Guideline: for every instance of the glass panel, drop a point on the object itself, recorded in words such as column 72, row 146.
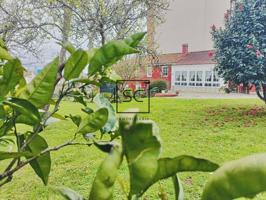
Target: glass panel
column 208, row 77
column 215, row 77
column 184, row 76
column 192, row 77
column 165, row 71
column 177, row 76
column 199, row 76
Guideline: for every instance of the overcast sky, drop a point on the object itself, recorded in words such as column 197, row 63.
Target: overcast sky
column 187, row 21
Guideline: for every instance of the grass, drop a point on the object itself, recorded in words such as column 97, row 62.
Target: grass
column 219, row 130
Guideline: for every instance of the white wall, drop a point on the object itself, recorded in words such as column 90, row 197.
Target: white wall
column 189, row 21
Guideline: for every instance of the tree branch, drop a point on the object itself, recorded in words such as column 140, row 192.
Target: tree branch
column 8, row 174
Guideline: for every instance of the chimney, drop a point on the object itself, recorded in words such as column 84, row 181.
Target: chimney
column 185, row 49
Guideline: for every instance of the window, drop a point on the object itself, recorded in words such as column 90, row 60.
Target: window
column 199, row 78
column 192, row 78
column 184, row 78
column 208, row 78
column 215, row 79
column 177, row 78
column 149, row 72
column 181, row 78
column 164, row 71
column 211, row 79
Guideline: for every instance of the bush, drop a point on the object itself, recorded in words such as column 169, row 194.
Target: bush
column 160, row 84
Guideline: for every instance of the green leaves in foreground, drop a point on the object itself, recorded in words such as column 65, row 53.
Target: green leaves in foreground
column 8, row 155
column 12, row 74
column 93, row 122
column 113, row 51
column 69, row 194
column 102, row 188
column 75, row 64
column 142, row 148
column 241, row 178
column 41, row 88
column 42, row 164
column 4, row 54
column 109, row 54
column 25, row 108
column 102, row 102
column 135, row 39
column 170, row 166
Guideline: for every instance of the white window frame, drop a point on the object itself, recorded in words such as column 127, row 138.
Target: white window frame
column 181, row 82
column 215, row 83
column 192, row 83
column 196, row 83
column 163, row 68
column 199, row 83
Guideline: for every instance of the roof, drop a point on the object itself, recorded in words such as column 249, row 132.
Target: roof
column 197, row 58
column 171, row 58
column 191, row 58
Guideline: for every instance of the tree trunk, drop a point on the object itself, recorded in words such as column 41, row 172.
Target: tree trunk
column 246, row 88
column 258, row 91
column 102, row 33
column 66, row 31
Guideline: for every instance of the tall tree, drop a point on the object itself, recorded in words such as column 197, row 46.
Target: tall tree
column 241, row 45
column 90, row 23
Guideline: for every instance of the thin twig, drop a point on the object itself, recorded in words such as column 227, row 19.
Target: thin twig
column 9, row 173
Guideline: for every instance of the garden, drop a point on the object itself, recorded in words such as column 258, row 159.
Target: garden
column 220, row 130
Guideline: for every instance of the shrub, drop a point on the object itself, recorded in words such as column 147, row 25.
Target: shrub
column 160, row 85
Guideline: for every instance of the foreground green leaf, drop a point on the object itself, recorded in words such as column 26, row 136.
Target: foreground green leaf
column 9, row 155
column 135, row 39
column 102, row 188
column 142, row 149
column 109, row 54
column 4, row 54
column 69, row 47
column 2, row 112
column 93, row 122
column 2, row 43
column 69, row 194
column 41, row 165
column 25, row 108
column 75, row 64
column 12, row 74
column 168, row 167
column 241, row 178
column 102, row 102
column 41, row 88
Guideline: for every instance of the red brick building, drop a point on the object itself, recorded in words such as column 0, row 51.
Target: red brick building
column 185, row 70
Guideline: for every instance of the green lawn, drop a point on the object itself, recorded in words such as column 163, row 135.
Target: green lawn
column 219, row 130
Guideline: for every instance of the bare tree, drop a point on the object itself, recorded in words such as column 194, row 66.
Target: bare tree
column 26, row 24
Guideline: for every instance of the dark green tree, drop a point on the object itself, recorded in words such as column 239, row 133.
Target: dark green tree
column 241, row 45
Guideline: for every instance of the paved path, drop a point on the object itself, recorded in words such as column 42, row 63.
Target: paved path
column 202, row 95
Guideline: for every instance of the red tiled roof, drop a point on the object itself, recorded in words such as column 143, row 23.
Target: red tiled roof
column 197, row 58
column 192, row 58
column 170, row 58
